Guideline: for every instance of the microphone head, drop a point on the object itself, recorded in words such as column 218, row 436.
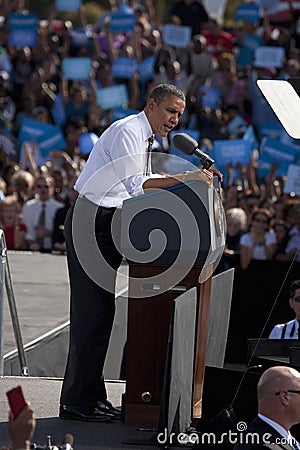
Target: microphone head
column 185, row 143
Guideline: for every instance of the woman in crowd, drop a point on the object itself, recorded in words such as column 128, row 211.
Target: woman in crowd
column 11, row 223
column 259, row 243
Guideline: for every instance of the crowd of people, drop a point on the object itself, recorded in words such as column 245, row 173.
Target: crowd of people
column 32, row 84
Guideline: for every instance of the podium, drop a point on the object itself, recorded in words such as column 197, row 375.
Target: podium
column 172, row 239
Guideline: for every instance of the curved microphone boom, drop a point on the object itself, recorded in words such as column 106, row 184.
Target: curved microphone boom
column 189, row 146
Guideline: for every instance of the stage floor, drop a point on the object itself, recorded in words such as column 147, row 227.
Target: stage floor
column 43, row 394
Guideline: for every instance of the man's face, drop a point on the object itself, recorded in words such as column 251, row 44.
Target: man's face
column 44, row 189
column 163, row 117
column 295, row 303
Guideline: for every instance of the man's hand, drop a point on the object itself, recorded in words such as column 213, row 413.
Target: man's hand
column 203, row 175
column 21, row 428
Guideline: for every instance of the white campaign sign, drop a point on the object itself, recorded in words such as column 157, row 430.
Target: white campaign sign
column 215, row 8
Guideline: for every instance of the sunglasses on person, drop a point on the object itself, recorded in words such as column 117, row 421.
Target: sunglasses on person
column 42, row 186
column 293, row 391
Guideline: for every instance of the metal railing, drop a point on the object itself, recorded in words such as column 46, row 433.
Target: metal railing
column 5, row 281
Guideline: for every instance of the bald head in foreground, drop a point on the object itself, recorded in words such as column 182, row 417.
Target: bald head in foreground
column 278, row 395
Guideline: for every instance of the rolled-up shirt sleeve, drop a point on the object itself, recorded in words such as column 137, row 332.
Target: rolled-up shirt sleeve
column 129, row 160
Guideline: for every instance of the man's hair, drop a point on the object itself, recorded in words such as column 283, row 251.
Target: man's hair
column 295, row 285
column 162, row 91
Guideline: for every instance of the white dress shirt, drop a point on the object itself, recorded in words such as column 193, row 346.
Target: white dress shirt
column 31, row 214
column 115, row 168
column 287, row 436
column 291, row 331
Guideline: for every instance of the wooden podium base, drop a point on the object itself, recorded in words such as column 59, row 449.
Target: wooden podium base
column 147, row 339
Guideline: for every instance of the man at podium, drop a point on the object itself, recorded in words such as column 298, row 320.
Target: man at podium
column 118, row 168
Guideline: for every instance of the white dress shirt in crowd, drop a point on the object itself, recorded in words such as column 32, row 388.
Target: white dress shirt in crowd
column 115, row 168
column 31, row 214
column 291, row 330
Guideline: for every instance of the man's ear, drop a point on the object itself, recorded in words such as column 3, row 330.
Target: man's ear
column 150, row 104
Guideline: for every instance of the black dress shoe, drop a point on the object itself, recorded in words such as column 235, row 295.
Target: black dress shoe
column 106, row 407
column 83, row 413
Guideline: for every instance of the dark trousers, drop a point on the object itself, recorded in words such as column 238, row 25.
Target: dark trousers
column 92, row 306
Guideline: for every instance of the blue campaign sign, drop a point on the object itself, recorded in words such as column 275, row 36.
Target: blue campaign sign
column 250, row 136
column 245, row 54
column 22, row 30
column 119, row 113
column 247, row 12
column 81, row 37
column 52, row 139
column 272, row 130
column 124, row 67
column 19, row 20
column 231, row 151
column 211, row 97
column 120, row 22
column 274, row 151
column 77, row 68
column 23, row 37
column 32, row 130
column 146, row 69
column 176, row 35
column 68, row 5
column 112, row 97
column 86, row 142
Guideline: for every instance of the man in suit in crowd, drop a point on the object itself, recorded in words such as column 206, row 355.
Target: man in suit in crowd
column 278, row 393
column 291, row 329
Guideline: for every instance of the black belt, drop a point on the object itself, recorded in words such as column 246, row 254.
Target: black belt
column 103, row 208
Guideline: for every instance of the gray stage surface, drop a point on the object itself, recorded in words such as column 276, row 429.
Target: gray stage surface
column 41, row 291
column 43, row 395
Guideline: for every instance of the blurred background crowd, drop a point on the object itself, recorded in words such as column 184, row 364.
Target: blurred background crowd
column 64, row 77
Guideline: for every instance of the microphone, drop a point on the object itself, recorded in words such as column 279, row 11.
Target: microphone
column 189, row 146
column 68, row 442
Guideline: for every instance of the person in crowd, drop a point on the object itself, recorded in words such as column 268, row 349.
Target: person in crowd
column 58, row 236
column 191, row 13
column 259, row 243
column 236, row 222
column 278, row 392
column 202, row 65
column 281, row 230
column 293, row 246
column 83, row 395
column 21, row 428
column 250, row 201
column 11, row 223
column 218, row 41
column 291, row 329
column 3, row 188
column 38, row 215
column 21, row 185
